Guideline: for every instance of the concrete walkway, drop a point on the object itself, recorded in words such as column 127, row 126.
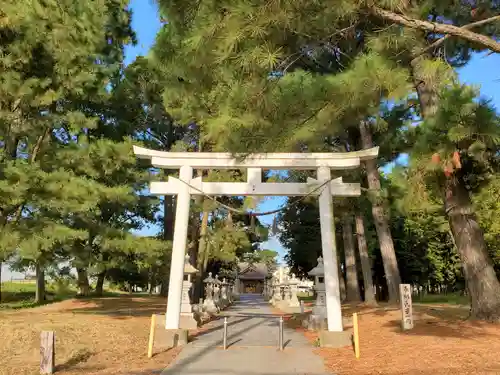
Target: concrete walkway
column 252, row 346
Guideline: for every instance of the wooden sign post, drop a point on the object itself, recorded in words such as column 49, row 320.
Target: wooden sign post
column 47, row 352
column 406, row 307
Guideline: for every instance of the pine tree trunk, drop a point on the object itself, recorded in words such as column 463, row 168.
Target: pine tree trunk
column 366, row 266
column 83, row 282
column 482, row 281
column 202, row 250
column 342, row 283
column 352, row 285
column 194, row 240
column 151, row 280
column 427, row 96
column 99, row 288
column 382, row 226
column 206, row 257
column 168, row 235
column 40, row 283
column 194, row 244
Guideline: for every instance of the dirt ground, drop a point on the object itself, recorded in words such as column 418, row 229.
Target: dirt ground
column 105, row 336
column 441, row 343
column 109, row 336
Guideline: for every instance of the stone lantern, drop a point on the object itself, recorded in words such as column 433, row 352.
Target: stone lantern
column 187, row 317
column 209, row 304
column 276, row 296
column 285, row 292
column 223, row 293
column 278, row 283
column 229, row 292
column 270, row 289
column 217, row 290
column 318, row 316
column 294, row 301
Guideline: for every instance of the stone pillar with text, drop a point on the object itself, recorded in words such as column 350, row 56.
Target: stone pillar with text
column 406, row 306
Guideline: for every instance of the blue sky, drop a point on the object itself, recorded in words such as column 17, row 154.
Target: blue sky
column 481, row 70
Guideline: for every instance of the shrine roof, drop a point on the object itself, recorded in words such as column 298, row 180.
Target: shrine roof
column 252, row 271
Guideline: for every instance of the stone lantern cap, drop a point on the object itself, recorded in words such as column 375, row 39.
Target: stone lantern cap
column 209, row 279
column 217, row 281
column 224, row 281
column 188, row 268
column 319, row 270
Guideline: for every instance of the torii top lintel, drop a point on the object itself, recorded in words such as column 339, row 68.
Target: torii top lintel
column 219, row 160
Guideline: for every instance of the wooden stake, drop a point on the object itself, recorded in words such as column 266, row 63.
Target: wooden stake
column 356, row 334
column 47, row 352
column 151, row 336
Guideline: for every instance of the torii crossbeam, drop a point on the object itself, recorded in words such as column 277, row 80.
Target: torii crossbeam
column 323, row 186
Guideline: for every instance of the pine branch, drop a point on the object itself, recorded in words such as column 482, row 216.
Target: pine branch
column 434, row 27
column 472, row 25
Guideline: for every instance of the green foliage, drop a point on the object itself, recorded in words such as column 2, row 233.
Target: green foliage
column 301, row 235
column 462, row 124
column 487, row 207
column 20, row 295
column 69, row 179
column 424, row 246
column 449, row 298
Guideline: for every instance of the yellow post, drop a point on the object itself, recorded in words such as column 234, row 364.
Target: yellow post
column 356, row 334
column 151, row 336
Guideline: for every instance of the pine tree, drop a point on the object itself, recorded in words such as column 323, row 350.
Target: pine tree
column 57, row 60
column 459, row 144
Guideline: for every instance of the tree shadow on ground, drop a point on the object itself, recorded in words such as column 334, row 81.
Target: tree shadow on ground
column 217, row 327
column 120, row 307
column 444, row 328
column 79, row 357
column 439, row 311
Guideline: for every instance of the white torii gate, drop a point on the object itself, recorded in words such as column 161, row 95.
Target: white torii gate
column 186, row 186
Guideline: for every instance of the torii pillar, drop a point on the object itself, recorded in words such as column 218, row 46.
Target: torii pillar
column 328, row 244
column 179, row 244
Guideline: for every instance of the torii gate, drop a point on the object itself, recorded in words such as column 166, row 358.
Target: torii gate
column 186, row 186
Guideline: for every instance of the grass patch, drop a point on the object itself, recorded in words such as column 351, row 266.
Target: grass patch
column 21, row 295
column 306, row 297
column 450, row 298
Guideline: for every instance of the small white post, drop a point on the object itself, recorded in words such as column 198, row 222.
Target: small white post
column 406, row 306
column 172, row 317
column 333, row 305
